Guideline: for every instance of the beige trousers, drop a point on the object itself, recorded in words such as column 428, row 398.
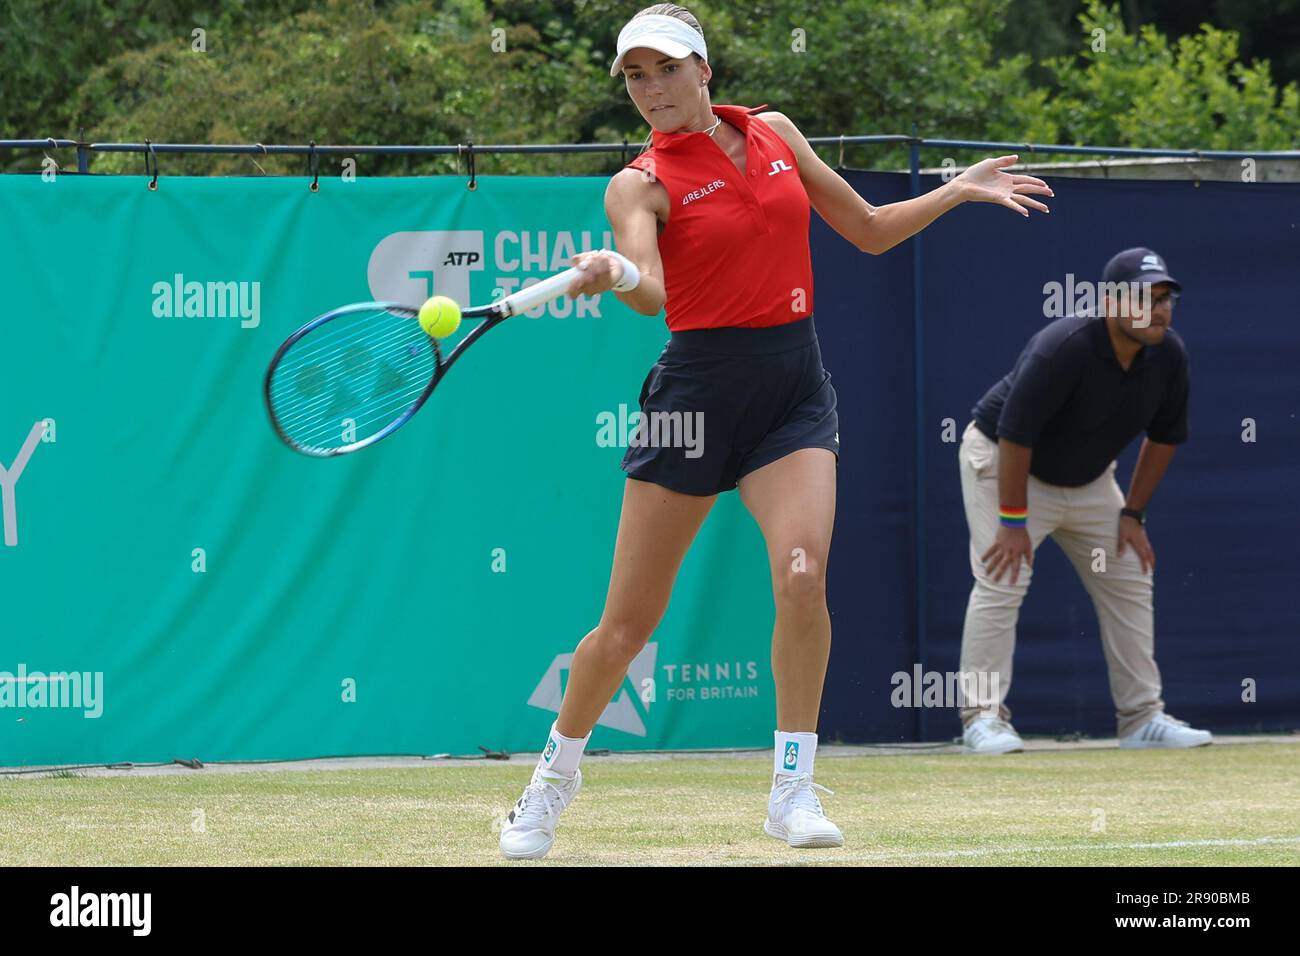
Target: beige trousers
column 1084, row 521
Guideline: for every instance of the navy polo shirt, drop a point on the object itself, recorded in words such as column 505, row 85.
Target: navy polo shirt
column 1071, row 401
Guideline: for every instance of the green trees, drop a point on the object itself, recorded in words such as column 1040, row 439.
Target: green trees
column 1141, row 89
column 347, row 72
column 536, row 71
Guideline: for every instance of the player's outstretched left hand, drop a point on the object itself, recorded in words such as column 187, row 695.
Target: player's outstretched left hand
column 987, row 181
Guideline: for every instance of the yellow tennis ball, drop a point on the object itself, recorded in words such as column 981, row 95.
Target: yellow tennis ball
column 440, row 317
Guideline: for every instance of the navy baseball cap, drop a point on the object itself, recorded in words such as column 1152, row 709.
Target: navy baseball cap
column 1138, row 265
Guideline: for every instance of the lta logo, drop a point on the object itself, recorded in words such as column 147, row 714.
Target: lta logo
column 631, row 703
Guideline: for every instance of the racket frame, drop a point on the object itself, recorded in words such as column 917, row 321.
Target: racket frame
column 524, row 299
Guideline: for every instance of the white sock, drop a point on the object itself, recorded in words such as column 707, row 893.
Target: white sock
column 795, row 752
column 562, row 754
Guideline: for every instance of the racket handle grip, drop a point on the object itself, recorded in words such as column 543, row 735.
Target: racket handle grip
column 539, row 293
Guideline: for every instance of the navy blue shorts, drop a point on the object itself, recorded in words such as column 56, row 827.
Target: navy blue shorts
column 720, row 403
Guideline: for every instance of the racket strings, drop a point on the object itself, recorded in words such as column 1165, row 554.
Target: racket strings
column 327, row 373
column 346, row 409
column 363, row 429
column 331, row 390
column 346, row 425
column 383, row 415
column 334, row 343
column 331, row 348
column 353, row 370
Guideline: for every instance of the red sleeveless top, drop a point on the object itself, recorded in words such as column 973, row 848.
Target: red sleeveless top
column 735, row 251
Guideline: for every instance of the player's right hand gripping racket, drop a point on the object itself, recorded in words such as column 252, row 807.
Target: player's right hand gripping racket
column 356, row 374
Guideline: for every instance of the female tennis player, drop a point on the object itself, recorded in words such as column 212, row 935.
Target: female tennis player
column 713, row 223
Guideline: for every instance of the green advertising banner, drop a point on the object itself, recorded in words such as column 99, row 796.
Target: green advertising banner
column 175, row 583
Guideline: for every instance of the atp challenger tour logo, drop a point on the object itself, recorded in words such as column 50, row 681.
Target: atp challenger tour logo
column 409, row 267
column 179, row 299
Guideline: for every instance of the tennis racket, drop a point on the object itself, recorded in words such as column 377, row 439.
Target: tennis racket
column 356, row 374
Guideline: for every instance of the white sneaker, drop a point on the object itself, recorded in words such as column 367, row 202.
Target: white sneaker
column 794, row 814
column 990, row 735
column 529, row 828
column 1165, row 731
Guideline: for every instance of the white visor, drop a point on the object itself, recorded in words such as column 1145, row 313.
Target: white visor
column 668, row 35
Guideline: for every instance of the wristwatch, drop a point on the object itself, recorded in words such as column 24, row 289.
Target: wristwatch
column 1140, row 515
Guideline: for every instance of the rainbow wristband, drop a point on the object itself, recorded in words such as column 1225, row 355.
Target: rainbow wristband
column 1013, row 517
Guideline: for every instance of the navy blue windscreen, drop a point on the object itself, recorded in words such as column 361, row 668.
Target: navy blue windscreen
column 1224, row 523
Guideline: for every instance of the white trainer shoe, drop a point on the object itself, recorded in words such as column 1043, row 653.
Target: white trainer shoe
column 990, row 735
column 794, row 814
column 529, row 827
column 1165, row 731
